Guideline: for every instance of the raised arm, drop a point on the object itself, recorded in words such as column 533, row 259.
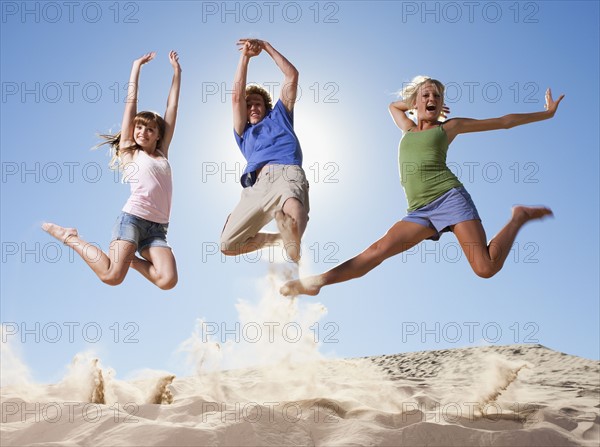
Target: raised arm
column 457, row 126
column 172, row 103
column 289, row 90
column 248, row 49
column 398, row 111
column 131, row 100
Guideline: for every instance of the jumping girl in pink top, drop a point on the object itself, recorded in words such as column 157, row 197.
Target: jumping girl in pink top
column 140, row 150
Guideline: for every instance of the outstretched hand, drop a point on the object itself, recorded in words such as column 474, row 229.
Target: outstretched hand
column 551, row 105
column 174, row 60
column 250, row 47
column 145, row 58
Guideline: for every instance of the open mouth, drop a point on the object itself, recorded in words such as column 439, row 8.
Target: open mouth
column 431, row 108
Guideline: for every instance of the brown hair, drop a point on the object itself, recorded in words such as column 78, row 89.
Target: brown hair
column 114, row 140
column 255, row 89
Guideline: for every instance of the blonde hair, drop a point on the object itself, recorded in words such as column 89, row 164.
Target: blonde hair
column 410, row 91
column 114, row 140
column 255, row 89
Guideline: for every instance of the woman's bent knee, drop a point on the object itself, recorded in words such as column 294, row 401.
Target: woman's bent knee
column 112, row 279
column 485, row 271
column 167, row 283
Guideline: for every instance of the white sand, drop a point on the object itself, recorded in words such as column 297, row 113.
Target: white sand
column 280, row 390
column 496, row 395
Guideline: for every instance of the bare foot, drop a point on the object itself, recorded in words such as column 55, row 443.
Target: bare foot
column 307, row 286
column 60, row 233
column 523, row 214
column 289, row 235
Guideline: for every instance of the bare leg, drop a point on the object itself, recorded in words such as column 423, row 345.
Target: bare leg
column 158, row 267
column 291, row 222
column 111, row 268
column 487, row 259
column 401, row 237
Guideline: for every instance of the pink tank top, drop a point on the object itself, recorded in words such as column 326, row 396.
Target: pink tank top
column 151, row 187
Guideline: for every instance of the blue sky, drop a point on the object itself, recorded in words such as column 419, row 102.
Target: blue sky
column 64, row 68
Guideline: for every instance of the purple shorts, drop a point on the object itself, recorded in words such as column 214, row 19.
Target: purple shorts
column 450, row 208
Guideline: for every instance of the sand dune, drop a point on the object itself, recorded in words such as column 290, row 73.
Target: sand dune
column 495, row 395
column 278, row 389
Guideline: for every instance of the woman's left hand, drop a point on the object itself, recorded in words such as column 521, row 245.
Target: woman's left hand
column 174, row 59
column 552, row 105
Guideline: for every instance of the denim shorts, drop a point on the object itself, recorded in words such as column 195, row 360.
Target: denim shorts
column 140, row 232
column 452, row 207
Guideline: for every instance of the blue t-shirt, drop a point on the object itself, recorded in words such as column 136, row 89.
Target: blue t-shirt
column 271, row 141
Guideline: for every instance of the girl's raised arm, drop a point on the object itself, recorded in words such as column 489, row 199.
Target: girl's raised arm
column 131, row 100
column 172, row 103
column 457, row 126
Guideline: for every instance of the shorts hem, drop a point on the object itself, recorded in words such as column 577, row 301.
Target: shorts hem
column 293, row 196
column 131, row 241
column 143, row 247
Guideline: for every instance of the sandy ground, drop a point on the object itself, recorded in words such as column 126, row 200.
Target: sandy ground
column 518, row 395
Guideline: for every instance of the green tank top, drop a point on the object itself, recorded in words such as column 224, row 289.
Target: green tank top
column 423, row 171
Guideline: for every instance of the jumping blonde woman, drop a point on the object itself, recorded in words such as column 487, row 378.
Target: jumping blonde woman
column 437, row 201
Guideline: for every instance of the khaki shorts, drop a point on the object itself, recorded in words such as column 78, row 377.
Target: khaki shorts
column 258, row 204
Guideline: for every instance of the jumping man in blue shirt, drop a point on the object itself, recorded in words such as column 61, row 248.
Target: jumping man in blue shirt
column 275, row 185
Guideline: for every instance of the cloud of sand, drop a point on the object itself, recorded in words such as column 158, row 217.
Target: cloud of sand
column 272, row 330
column 14, row 373
column 85, row 380
column 278, row 343
column 483, row 384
